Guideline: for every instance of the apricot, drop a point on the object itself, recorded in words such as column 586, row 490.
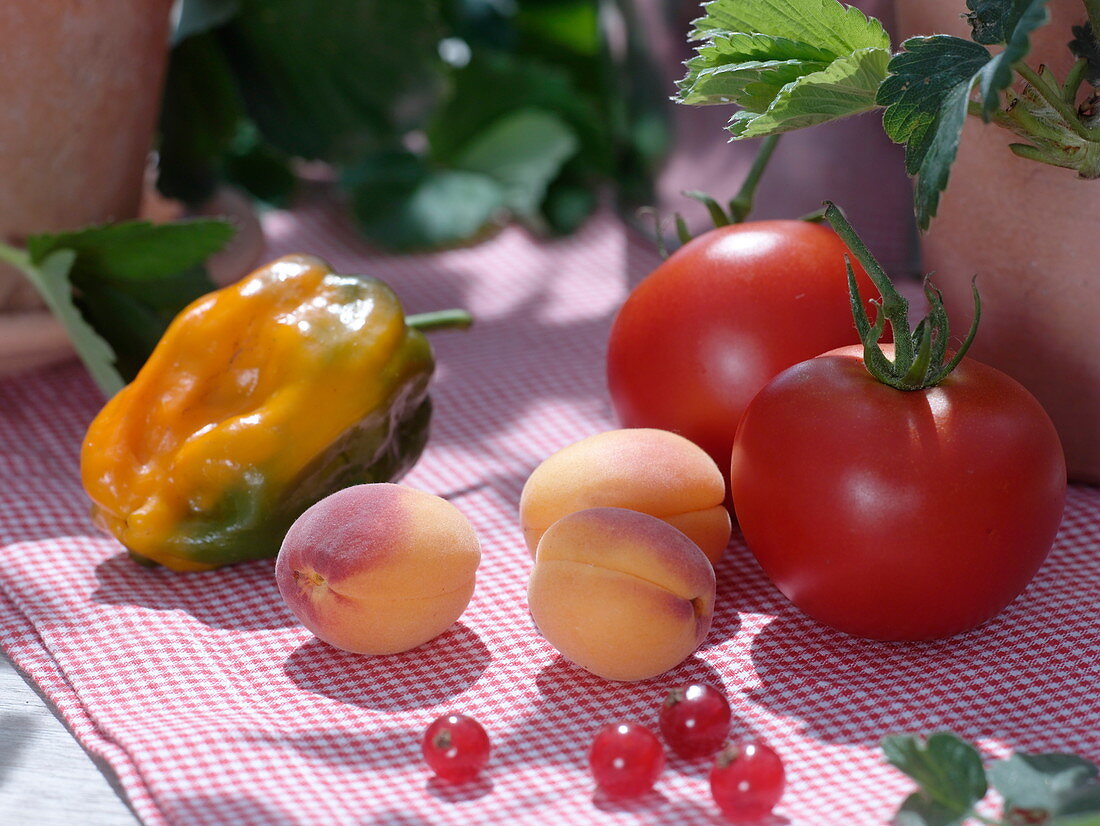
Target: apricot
column 620, row 593
column 378, row 568
column 642, row 469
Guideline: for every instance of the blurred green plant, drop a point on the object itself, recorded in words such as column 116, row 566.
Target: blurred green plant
column 442, row 118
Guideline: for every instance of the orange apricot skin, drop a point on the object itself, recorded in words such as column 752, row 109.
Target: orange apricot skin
column 652, row 471
column 378, row 568
column 620, row 593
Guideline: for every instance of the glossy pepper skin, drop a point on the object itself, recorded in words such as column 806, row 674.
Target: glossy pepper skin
column 260, row 399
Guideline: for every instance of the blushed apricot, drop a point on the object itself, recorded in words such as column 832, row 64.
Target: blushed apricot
column 642, row 469
column 621, row 593
column 378, row 568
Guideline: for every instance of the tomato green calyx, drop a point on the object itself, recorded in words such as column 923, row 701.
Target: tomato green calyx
column 920, row 354
column 738, row 209
column 740, row 206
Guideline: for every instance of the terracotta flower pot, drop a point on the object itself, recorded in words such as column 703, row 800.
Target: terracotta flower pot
column 1029, row 232
column 79, row 95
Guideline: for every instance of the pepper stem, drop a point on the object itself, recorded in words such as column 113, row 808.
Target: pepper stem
column 918, row 354
column 439, row 320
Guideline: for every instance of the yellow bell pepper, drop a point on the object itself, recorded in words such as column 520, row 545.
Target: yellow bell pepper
column 260, row 399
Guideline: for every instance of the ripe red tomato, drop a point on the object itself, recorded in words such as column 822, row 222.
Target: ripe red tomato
column 724, row 314
column 892, row 514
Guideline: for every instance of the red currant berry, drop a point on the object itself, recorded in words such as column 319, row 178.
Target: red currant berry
column 456, row 747
column 747, row 781
column 695, row 720
column 626, row 759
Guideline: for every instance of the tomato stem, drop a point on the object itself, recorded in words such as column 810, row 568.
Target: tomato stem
column 741, row 204
column 918, row 354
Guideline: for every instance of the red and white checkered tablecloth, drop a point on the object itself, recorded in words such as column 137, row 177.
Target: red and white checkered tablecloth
column 215, row 707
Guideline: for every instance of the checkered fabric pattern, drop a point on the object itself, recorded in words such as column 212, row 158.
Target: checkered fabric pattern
column 215, row 707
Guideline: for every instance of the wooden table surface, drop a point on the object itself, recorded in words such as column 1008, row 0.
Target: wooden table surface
column 46, row 777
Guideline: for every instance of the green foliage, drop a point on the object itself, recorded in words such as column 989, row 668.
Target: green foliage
column 793, row 63
column 1019, row 19
column 1084, row 45
column 827, row 24
column 928, row 92
column 407, row 205
column 522, row 151
column 993, row 21
column 845, row 87
column 1052, row 789
column 328, row 83
column 198, row 16
column 116, row 287
column 135, row 252
column 1058, row 785
column 926, row 98
column 948, row 770
column 201, row 114
column 786, row 63
column 496, row 109
column 50, row 277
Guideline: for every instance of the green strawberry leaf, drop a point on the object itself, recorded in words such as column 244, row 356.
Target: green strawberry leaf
column 1084, row 819
column 335, row 84
column 826, row 24
column 135, row 253
column 918, row 810
column 569, row 201
column 845, row 87
column 927, row 93
column 1051, row 784
column 523, row 152
column 1085, row 45
column 730, row 61
column 197, row 16
column 116, row 287
column 948, row 770
column 786, row 63
column 926, row 97
column 994, row 22
column 1080, row 807
column 515, row 84
column 1019, row 23
column 260, row 168
column 201, row 112
column 50, row 277
column 403, row 203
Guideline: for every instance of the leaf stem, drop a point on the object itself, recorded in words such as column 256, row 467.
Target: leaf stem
column 439, row 320
column 1019, row 117
column 741, row 204
column 1073, row 81
column 20, row 259
column 998, row 116
column 1054, row 98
